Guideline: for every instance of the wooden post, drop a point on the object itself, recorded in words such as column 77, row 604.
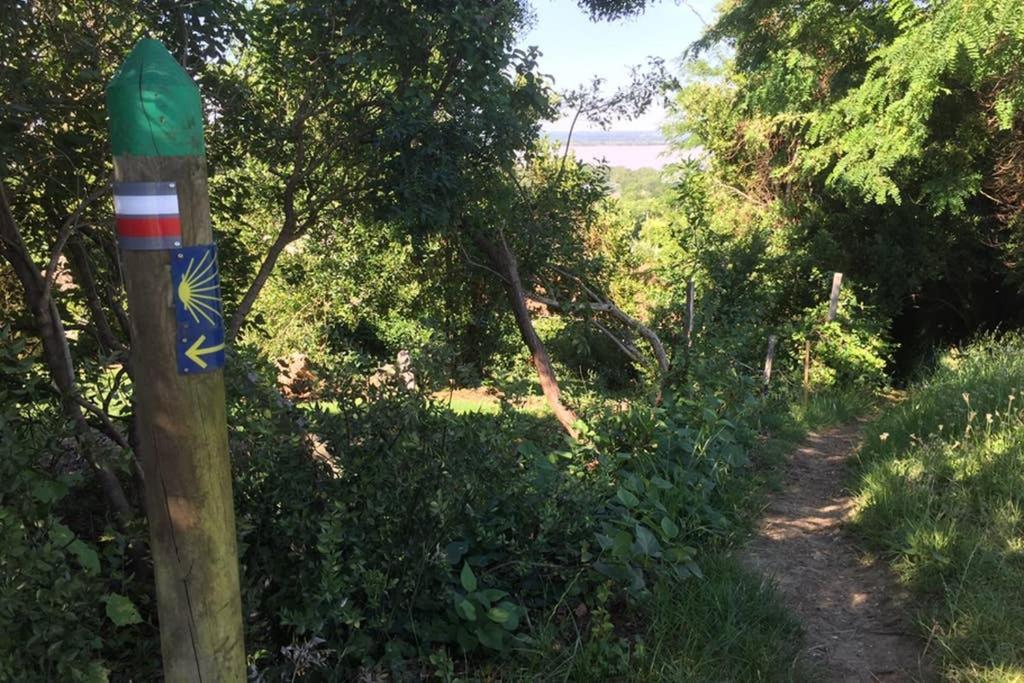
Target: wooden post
column 833, row 308
column 169, row 266
column 769, row 358
column 807, row 369
column 833, row 302
column 689, row 312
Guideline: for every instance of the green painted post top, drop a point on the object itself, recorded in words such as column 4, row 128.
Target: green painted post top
column 154, row 106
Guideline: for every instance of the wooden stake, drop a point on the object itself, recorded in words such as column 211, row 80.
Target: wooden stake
column 163, row 214
column 769, row 358
column 807, row 369
column 833, row 308
column 689, row 311
column 833, row 302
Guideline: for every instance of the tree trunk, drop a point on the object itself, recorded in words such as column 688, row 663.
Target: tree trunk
column 602, row 304
column 284, row 238
column 504, row 262
column 56, row 353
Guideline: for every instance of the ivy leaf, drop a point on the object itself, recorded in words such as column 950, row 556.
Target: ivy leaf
column 670, row 528
column 489, row 595
column 467, row 578
column 627, row 498
column 121, row 610
column 623, row 541
column 492, row 636
column 512, row 622
column 646, row 542
column 61, row 535
column 455, row 550
column 49, row 490
column 499, row 614
column 465, row 609
column 86, row 556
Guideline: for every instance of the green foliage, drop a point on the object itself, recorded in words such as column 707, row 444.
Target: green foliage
column 368, row 159
column 939, row 493
column 59, row 616
column 673, row 462
column 850, row 351
column 637, row 184
column 434, row 531
column 929, row 77
column 866, row 138
column 471, row 532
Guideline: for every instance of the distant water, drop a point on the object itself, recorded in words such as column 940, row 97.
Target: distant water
column 628, row 149
column 607, row 138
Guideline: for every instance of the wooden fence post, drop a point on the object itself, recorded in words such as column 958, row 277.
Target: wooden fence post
column 769, row 358
column 807, row 368
column 833, row 302
column 169, row 266
column 833, row 308
column 689, row 311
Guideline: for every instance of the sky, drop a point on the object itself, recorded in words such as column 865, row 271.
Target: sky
column 575, row 49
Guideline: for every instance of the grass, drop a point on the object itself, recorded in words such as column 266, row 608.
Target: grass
column 461, row 402
column 480, row 400
column 462, row 406
column 827, row 408
column 729, row 626
column 941, row 494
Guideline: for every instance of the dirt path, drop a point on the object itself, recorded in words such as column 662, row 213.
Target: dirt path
column 856, row 629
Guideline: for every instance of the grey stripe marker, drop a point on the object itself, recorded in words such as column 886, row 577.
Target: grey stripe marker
column 140, row 189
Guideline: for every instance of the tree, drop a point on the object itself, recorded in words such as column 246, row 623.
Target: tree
column 57, row 59
column 367, row 112
column 876, row 139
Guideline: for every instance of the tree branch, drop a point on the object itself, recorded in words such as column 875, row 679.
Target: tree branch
column 62, row 236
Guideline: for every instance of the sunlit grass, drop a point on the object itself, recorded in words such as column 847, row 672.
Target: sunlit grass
column 462, row 406
column 941, row 493
column 830, row 407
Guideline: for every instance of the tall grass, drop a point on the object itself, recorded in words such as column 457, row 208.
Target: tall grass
column 831, row 407
column 941, row 493
column 729, row 626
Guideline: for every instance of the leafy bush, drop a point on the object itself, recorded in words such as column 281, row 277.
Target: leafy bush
column 67, row 591
column 671, row 463
column 435, row 530
column 850, row 351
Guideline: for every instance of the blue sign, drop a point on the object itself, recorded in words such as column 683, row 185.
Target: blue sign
column 195, row 282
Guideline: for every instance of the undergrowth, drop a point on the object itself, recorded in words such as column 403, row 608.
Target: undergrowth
column 434, row 545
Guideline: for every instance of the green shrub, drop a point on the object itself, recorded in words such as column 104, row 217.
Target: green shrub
column 437, row 529
column 672, row 467
column 454, row 533
column 67, row 591
column 431, row 538
column 851, row 351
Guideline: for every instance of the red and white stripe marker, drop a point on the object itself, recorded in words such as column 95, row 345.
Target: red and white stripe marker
column 147, row 215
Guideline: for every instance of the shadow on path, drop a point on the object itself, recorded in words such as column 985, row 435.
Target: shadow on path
column 851, row 609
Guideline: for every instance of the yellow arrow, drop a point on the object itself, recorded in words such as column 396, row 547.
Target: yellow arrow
column 195, row 354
